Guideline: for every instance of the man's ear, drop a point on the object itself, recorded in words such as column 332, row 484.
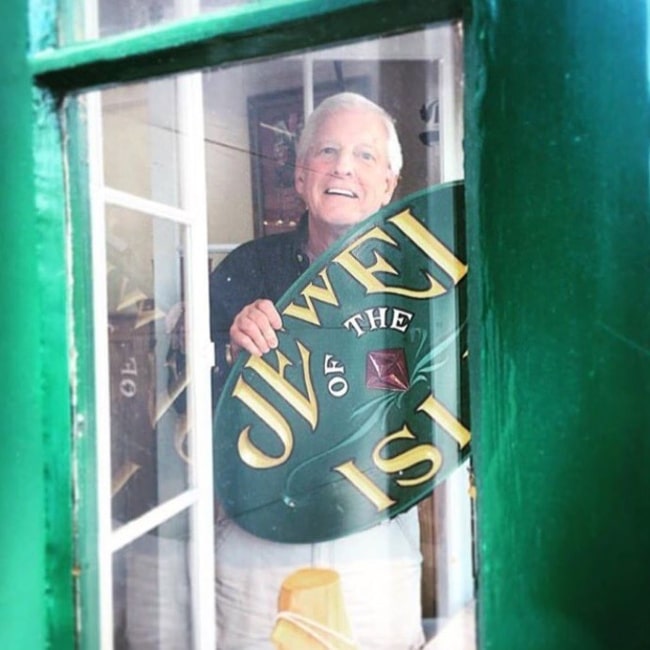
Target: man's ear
column 391, row 184
column 299, row 179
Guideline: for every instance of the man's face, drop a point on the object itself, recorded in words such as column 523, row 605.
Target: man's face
column 345, row 177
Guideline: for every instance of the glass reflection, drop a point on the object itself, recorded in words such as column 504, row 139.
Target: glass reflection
column 254, row 115
column 141, row 140
column 146, row 340
column 119, row 16
column 151, row 591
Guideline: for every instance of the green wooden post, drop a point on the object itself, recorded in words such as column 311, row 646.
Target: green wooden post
column 557, row 180
column 22, row 504
column 36, row 591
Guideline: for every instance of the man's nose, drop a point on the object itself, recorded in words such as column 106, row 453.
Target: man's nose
column 344, row 163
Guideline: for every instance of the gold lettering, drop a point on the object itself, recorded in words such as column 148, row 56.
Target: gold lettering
column 437, row 412
column 430, row 245
column 360, row 481
column 311, row 291
column 307, row 406
column 407, row 459
column 366, row 275
column 248, row 452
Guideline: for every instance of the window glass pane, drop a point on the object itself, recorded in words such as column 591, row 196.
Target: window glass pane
column 402, row 581
column 151, row 591
column 153, row 362
column 146, row 336
column 110, row 17
column 254, row 116
column 141, row 140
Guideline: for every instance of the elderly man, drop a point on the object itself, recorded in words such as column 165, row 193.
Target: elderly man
column 348, row 164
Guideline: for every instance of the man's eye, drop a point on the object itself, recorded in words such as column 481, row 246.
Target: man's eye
column 328, row 150
column 367, row 155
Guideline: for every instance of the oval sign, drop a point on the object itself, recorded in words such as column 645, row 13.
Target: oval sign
column 362, row 409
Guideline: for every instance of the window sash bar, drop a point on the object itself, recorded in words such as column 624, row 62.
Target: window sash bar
column 152, row 519
column 233, row 34
column 148, row 206
column 200, row 357
column 102, row 366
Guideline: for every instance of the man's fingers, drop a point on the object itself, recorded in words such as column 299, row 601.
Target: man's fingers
column 268, row 308
column 254, row 327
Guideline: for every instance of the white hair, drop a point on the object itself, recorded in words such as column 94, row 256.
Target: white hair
column 350, row 101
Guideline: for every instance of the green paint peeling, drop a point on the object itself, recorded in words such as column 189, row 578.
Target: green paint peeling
column 43, row 22
column 84, row 420
column 25, row 576
column 54, row 346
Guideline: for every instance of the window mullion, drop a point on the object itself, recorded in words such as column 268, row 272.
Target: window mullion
column 102, row 370
column 200, row 355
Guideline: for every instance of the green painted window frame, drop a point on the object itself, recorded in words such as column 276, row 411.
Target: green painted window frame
column 228, row 37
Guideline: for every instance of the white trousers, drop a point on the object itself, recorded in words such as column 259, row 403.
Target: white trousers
column 380, row 571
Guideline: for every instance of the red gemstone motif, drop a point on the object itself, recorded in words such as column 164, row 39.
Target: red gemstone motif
column 386, row 369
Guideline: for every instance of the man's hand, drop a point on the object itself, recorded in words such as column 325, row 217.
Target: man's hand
column 254, row 328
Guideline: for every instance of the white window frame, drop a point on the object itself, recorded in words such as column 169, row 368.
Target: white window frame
column 198, row 498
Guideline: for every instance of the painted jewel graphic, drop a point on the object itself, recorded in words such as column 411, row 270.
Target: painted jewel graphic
column 386, row 369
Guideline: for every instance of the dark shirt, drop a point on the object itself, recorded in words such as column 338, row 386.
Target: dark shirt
column 262, row 268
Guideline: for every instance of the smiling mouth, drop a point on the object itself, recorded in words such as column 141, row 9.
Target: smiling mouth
column 335, row 191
